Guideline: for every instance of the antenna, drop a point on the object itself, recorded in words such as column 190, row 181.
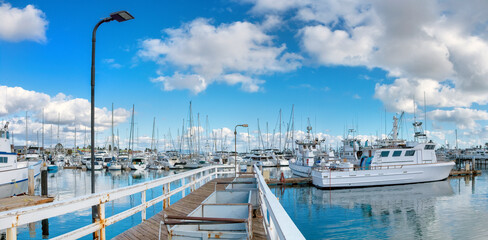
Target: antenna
column 425, row 113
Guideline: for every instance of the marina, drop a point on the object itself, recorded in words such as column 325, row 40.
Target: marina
column 243, row 120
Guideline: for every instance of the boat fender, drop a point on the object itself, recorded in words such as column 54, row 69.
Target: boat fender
column 282, row 178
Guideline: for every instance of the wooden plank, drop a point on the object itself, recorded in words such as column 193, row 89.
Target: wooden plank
column 150, row 228
column 22, row 201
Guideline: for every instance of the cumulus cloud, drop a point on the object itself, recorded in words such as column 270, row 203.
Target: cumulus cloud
column 228, row 53
column 436, row 47
column 463, row 117
column 62, row 109
column 18, row 24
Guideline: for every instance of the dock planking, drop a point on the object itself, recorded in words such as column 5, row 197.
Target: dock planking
column 21, row 201
column 149, row 229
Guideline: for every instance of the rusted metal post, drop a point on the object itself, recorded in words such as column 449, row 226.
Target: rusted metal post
column 101, row 214
column 12, row 233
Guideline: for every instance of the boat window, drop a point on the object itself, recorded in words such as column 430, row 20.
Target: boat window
column 429, row 147
column 2, row 133
column 385, row 153
column 409, row 153
column 3, row 159
column 397, row 153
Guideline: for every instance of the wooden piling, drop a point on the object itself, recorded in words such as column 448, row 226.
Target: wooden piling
column 44, row 191
column 31, row 182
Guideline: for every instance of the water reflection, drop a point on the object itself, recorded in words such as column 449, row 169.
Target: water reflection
column 403, row 211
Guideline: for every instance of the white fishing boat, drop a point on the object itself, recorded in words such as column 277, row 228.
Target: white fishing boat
column 305, row 160
column 13, row 174
column 395, row 163
column 138, row 163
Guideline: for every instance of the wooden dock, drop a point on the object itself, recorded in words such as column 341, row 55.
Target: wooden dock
column 10, row 203
column 290, row 181
column 464, row 172
column 149, row 229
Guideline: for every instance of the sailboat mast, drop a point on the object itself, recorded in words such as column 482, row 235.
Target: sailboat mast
column 43, row 133
column 198, row 133
column 280, row 130
column 26, row 134
column 58, row 129
column 113, row 141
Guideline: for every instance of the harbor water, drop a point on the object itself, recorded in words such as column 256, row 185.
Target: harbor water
column 453, row 209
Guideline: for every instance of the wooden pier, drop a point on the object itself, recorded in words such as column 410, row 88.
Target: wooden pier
column 464, row 172
column 149, row 229
column 10, row 203
column 290, row 181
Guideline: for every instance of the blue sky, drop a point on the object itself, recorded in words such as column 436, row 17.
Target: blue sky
column 341, row 64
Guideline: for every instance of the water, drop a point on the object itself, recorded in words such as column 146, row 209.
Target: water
column 69, row 183
column 453, row 209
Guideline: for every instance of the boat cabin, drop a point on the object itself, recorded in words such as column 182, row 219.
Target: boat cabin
column 420, row 154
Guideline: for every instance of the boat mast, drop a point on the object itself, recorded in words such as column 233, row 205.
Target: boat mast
column 26, row 134
column 280, row 130
column 42, row 134
column 113, row 141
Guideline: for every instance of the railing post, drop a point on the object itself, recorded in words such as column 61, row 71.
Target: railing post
column 12, row 233
column 183, row 182
column 143, row 201
column 101, row 214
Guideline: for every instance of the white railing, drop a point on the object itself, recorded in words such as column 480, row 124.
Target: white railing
column 278, row 224
column 10, row 220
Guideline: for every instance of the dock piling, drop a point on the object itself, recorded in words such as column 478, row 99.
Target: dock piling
column 44, row 182
column 31, row 182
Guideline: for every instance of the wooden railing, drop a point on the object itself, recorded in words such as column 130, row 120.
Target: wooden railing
column 11, row 220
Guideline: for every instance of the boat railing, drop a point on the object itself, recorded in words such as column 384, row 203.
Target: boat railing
column 11, row 220
column 278, row 224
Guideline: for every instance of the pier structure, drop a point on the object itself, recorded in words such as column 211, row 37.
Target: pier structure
column 206, row 193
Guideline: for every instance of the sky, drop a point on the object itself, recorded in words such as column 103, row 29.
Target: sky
column 339, row 64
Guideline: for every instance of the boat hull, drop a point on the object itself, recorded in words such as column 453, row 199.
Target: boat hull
column 392, row 175
column 15, row 181
column 300, row 170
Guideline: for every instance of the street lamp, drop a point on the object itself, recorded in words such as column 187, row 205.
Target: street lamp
column 235, row 147
column 120, row 17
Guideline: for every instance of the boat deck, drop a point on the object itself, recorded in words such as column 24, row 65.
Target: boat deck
column 149, row 229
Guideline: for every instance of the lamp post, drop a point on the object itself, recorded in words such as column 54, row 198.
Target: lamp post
column 235, row 147
column 120, row 17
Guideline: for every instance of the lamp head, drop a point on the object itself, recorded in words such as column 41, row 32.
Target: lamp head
column 244, row 125
column 121, row 16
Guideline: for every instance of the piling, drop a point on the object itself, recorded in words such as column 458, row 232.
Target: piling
column 473, row 163
column 44, row 182
column 45, row 227
column 31, row 182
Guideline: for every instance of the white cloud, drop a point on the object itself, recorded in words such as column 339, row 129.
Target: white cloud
column 436, row 47
column 71, row 111
column 463, row 117
column 22, row 24
column 228, row 53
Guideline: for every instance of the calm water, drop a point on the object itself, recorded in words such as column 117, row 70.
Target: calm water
column 452, row 209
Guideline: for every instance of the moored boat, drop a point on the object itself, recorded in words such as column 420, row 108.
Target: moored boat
column 391, row 163
column 13, row 174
